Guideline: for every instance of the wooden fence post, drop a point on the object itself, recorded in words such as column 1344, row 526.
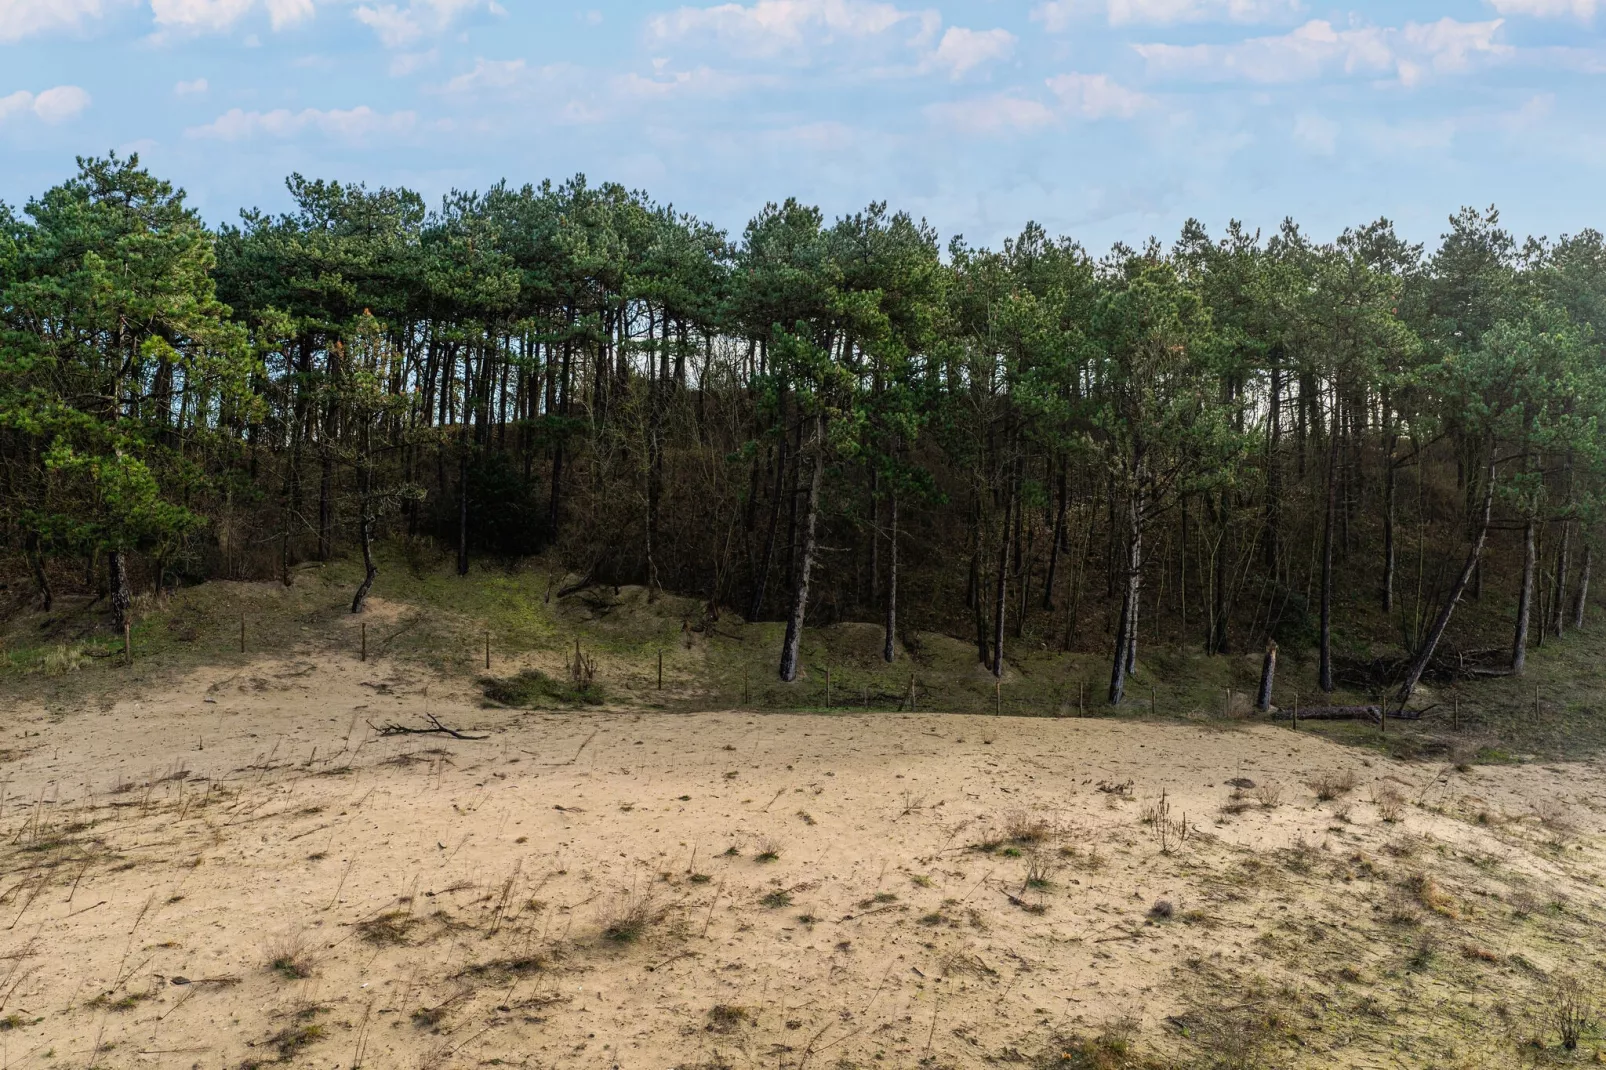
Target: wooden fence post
column 128, row 642
column 364, row 655
column 660, row 670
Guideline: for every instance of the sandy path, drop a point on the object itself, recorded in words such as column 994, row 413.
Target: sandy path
column 451, row 898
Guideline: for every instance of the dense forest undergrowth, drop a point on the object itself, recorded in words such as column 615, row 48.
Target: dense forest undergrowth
column 1026, row 479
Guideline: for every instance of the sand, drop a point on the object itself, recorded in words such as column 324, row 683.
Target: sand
column 589, row 889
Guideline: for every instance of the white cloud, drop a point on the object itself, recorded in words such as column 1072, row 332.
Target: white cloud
column 1317, row 133
column 399, row 27
column 703, row 81
column 189, row 89
column 1095, row 96
column 1317, row 49
column 1583, row 10
column 961, row 50
column 1057, row 15
column 1000, row 113
column 350, row 124
column 1446, row 46
column 395, row 28
column 24, row 18
column 488, row 74
column 772, row 27
column 283, row 13
column 51, row 106
column 199, row 16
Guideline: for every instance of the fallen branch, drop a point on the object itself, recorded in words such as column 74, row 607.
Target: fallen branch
column 437, row 729
column 577, row 586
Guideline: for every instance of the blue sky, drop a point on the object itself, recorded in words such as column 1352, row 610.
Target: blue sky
column 1107, row 120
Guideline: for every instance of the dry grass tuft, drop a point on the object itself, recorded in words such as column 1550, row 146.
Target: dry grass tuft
column 727, row 1018
column 631, row 917
column 1330, row 786
column 1426, row 890
column 1112, row 1049
column 290, row 956
column 1569, row 1009
column 1026, row 828
column 1390, row 804
column 391, row 927
column 1269, row 796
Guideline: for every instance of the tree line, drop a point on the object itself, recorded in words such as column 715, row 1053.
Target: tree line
column 1215, row 442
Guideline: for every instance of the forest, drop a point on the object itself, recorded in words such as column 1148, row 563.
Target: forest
column 1222, row 442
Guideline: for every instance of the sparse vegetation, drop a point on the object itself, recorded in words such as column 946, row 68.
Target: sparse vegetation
column 1330, row 786
column 631, row 917
column 533, row 689
column 290, row 956
column 1570, row 1009
column 390, row 927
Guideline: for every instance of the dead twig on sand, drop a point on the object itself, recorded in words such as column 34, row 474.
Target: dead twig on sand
column 436, row 729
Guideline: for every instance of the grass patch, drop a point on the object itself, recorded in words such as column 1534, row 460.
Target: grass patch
column 533, row 689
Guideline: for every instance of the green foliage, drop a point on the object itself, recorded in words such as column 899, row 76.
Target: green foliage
column 122, row 377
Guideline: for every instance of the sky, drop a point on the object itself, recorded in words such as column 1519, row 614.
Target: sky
column 1104, row 120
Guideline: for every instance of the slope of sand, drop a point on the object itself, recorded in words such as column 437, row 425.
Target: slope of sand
column 586, row 890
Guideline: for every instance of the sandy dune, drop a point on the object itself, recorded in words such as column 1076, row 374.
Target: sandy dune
column 587, row 890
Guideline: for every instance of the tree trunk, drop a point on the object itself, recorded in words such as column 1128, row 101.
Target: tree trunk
column 1325, row 670
column 756, row 607
column 1268, row 677
column 875, row 534
column 1274, row 477
column 326, row 505
column 800, row 596
column 1390, row 480
column 973, row 573
column 1059, row 537
column 1583, row 590
column 1126, row 632
column 1519, row 643
column 1559, row 600
column 122, row 595
column 462, row 508
column 1001, row 585
column 887, row 650
column 36, row 565
column 565, row 384
column 1419, row 664
column 1023, row 575
column 365, row 535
